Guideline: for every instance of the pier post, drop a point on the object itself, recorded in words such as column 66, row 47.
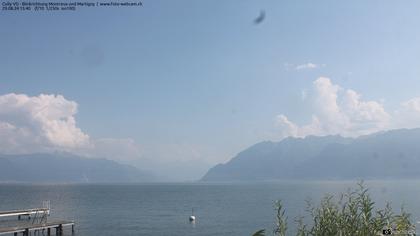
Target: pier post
column 36, row 229
column 59, row 230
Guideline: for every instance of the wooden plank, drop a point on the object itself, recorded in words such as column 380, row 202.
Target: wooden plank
column 23, row 212
column 23, row 228
column 9, row 230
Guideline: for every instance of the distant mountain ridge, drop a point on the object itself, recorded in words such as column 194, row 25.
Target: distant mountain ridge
column 66, row 168
column 390, row 154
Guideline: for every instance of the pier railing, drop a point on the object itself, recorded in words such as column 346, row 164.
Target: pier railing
column 38, row 223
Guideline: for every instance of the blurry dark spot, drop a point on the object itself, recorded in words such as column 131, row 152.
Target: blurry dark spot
column 260, row 18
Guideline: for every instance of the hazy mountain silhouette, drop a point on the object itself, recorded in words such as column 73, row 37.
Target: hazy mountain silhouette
column 66, row 168
column 391, row 154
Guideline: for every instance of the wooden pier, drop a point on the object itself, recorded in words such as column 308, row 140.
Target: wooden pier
column 28, row 212
column 26, row 229
column 39, row 223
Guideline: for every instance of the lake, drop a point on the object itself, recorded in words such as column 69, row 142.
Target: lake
column 163, row 209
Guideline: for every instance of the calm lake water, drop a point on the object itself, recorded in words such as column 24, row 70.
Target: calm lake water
column 163, row 209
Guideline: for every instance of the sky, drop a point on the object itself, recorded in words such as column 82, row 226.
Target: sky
column 175, row 87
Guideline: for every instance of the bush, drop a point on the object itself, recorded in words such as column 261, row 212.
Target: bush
column 353, row 214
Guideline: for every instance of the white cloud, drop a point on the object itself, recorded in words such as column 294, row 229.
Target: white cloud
column 286, row 127
column 47, row 123
column 412, row 105
column 39, row 123
column 306, row 66
column 337, row 111
column 408, row 115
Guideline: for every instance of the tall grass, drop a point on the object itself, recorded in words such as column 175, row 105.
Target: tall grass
column 353, row 214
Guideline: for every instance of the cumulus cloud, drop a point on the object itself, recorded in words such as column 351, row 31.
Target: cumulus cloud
column 47, row 123
column 39, row 123
column 337, row 111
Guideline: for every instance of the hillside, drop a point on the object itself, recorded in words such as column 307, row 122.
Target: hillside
column 391, row 154
column 66, row 168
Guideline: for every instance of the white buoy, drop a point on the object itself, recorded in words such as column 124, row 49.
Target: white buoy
column 192, row 217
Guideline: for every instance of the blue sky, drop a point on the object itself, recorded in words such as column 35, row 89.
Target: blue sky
column 196, row 81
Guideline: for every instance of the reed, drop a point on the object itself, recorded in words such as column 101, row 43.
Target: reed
column 351, row 214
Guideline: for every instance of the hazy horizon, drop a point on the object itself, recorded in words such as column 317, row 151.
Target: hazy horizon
column 176, row 87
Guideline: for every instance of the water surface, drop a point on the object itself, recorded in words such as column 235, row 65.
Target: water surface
column 163, row 209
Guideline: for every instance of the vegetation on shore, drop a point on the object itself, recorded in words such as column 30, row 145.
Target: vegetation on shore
column 353, row 214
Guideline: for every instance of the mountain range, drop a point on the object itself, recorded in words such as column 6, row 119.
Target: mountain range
column 66, row 168
column 384, row 155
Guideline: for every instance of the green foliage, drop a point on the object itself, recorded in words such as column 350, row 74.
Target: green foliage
column 259, row 233
column 354, row 214
column 301, row 230
column 281, row 220
column 403, row 222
